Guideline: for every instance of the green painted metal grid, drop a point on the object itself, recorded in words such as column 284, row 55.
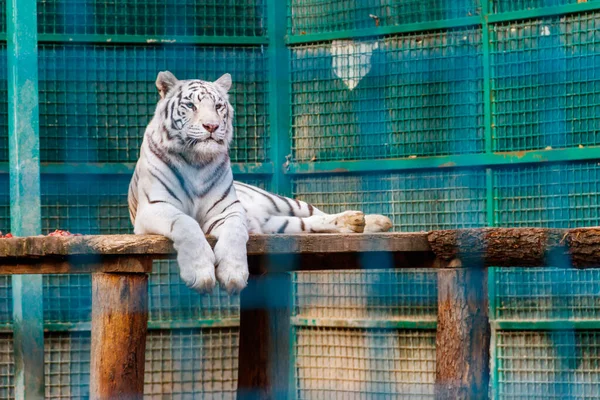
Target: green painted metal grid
column 519, row 5
column 7, row 367
column 418, row 201
column 374, row 294
column 550, row 196
column 417, row 94
column 67, row 298
column 191, row 363
column 170, row 300
column 359, row 363
column 153, row 18
column 96, row 100
column 86, row 204
column 548, row 365
column 545, row 83
column 548, row 294
column 322, row 16
column 67, row 365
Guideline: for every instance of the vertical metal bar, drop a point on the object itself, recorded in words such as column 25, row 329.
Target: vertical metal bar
column 279, row 94
column 25, row 213
column 490, row 209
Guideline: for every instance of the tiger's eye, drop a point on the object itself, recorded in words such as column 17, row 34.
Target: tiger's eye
column 191, row 106
column 219, row 106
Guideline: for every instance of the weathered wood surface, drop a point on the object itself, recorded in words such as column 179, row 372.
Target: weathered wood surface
column 119, row 326
column 463, row 334
column 512, row 246
column 40, row 246
column 76, row 265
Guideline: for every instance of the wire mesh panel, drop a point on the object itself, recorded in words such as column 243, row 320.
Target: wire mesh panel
column 67, row 298
column 171, row 300
column 548, row 365
column 320, row 16
column 379, row 294
column 545, row 83
column 414, row 201
column 357, row 363
column 398, row 96
column 552, row 196
column 186, row 364
column 517, row 5
column 536, row 294
column 96, row 100
column 67, row 365
column 152, row 17
column 87, row 204
column 7, row 367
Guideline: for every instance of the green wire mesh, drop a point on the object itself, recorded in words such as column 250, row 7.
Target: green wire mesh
column 171, row 300
column 96, row 100
column 548, row 365
column 417, row 201
column 546, row 294
column 7, row 367
column 359, row 363
column 550, row 196
column 383, row 294
column 398, row 96
column 518, row 5
column 153, row 17
column 321, row 16
column 545, row 83
column 191, row 363
column 87, row 204
column 67, row 365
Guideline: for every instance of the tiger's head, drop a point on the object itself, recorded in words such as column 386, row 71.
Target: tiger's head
column 194, row 116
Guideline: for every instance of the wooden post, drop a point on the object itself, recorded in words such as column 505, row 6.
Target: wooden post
column 264, row 352
column 463, row 333
column 119, row 326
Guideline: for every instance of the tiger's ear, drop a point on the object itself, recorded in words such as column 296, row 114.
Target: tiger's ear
column 224, row 82
column 164, row 82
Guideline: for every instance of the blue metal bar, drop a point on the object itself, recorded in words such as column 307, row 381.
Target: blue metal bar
column 279, row 94
column 25, row 211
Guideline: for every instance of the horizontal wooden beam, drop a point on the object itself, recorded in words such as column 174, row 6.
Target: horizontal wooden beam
column 509, row 247
column 157, row 246
column 519, row 247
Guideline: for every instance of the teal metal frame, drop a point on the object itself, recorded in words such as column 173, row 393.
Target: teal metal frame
column 25, row 210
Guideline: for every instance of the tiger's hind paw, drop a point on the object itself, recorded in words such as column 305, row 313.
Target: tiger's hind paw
column 377, row 223
column 233, row 276
column 350, row 222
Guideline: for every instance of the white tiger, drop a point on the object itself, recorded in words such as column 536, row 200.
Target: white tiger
column 183, row 188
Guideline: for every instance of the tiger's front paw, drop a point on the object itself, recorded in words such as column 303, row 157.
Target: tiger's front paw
column 232, row 275
column 199, row 274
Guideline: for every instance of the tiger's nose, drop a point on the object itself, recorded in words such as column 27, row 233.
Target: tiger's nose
column 210, row 127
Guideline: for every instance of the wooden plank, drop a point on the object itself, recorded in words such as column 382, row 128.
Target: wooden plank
column 463, row 334
column 119, row 327
column 40, row 246
column 75, row 265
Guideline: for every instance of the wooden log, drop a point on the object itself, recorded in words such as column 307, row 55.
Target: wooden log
column 500, row 246
column 158, row 246
column 264, row 359
column 76, row 265
column 119, row 325
column 463, row 334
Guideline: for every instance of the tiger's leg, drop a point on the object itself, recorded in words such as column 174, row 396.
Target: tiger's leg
column 230, row 251
column 346, row 222
column 195, row 257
